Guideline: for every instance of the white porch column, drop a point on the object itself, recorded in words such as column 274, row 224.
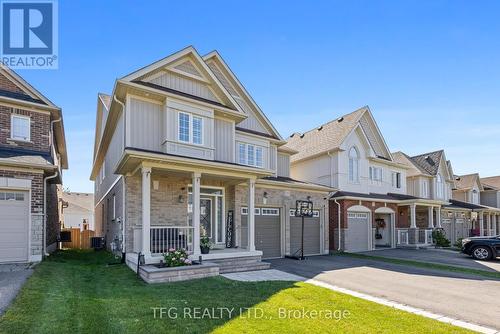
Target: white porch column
column 431, row 216
column 413, row 216
column 251, row 215
column 481, row 223
column 438, row 217
column 488, row 224
column 494, row 224
column 146, row 212
column 196, row 214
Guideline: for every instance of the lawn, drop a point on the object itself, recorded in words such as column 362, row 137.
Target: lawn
column 79, row 292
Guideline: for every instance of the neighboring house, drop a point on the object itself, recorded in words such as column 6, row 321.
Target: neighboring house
column 78, row 210
column 490, row 197
column 350, row 154
column 181, row 151
column 32, row 156
column 430, row 178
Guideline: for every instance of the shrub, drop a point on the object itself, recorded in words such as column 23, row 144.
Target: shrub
column 440, row 239
column 458, row 243
column 176, row 258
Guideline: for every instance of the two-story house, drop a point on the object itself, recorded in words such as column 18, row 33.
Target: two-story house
column 182, row 151
column 490, row 197
column 351, row 155
column 32, row 156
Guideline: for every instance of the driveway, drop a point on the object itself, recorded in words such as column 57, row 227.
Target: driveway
column 438, row 256
column 458, row 295
column 12, row 278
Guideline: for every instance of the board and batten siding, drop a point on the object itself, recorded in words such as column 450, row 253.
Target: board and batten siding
column 246, row 139
column 224, row 140
column 144, row 121
column 283, row 165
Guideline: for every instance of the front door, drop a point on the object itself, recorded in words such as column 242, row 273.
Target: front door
column 206, row 217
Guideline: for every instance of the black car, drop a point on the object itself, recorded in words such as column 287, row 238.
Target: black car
column 482, row 248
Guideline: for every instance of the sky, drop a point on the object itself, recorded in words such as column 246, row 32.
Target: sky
column 428, row 70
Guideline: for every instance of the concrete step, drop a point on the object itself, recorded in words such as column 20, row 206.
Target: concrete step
column 235, row 269
column 248, row 263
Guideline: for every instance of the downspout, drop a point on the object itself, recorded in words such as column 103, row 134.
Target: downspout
column 123, row 181
column 338, row 222
column 44, row 241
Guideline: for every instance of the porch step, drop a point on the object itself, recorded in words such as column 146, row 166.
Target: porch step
column 239, row 264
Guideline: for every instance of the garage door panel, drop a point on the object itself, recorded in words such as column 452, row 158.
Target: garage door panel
column 14, row 227
column 357, row 234
column 267, row 234
column 311, row 235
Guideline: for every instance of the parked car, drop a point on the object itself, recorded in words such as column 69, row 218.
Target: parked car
column 482, row 248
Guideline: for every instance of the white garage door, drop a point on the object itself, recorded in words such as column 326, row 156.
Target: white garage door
column 14, row 220
column 357, row 233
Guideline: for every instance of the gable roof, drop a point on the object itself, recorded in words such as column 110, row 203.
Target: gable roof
column 428, row 162
column 491, row 181
column 330, row 136
column 466, row 182
column 228, row 75
column 404, row 159
column 79, row 201
column 191, row 54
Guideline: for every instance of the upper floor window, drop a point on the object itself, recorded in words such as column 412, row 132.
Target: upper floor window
column 190, row 128
column 376, row 174
column 353, row 165
column 439, row 186
column 475, row 196
column 396, row 180
column 20, row 127
column 425, row 189
column 250, row 155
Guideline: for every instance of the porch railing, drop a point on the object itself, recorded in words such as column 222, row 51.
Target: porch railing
column 425, row 236
column 402, row 237
column 165, row 237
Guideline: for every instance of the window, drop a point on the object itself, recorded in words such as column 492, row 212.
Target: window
column 20, row 127
column 8, row 196
column 425, row 189
column 250, row 155
column 396, row 180
column 103, row 172
column 244, row 211
column 439, row 186
column 376, row 174
column 190, row 128
column 292, row 213
column 475, row 197
column 270, row 212
column 353, row 165
column 114, row 206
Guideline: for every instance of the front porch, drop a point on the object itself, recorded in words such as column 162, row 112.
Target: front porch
column 172, row 209
column 416, row 223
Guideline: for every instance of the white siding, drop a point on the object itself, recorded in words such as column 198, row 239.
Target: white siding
column 321, row 170
column 224, row 140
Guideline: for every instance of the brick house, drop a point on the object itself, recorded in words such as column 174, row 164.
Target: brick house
column 32, row 156
column 182, row 151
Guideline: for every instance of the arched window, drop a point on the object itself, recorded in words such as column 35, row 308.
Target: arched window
column 353, row 165
column 439, row 186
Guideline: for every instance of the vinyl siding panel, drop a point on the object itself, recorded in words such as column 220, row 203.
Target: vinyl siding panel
column 224, row 140
column 283, row 165
column 146, row 121
column 182, row 84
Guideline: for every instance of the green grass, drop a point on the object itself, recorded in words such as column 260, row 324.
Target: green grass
column 77, row 292
column 421, row 264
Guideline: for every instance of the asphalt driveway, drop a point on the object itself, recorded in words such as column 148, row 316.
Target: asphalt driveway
column 438, row 256
column 12, row 278
column 458, row 295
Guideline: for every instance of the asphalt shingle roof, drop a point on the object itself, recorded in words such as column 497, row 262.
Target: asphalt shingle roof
column 25, row 157
column 465, row 181
column 492, row 181
column 428, row 162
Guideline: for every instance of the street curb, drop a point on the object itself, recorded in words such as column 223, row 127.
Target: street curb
column 407, row 308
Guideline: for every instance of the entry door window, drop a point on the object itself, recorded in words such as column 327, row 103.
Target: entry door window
column 206, row 216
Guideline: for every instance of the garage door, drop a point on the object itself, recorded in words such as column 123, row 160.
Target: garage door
column 14, row 213
column 267, row 231
column 311, row 234
column 357, row 233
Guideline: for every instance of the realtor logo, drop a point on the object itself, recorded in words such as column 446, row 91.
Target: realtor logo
column 29, row 34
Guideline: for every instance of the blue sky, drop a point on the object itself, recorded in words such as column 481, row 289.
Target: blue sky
column 429, row 70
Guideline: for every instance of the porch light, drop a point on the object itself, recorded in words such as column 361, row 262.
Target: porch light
column 181, row 198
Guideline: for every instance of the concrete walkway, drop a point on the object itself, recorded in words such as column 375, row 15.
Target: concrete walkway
column 12, row 278
column 263, row 275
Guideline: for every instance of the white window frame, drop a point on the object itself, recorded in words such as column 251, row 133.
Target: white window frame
column 190, row 128
column 376, row 174
column 245, row 161
column 114, row 206
column 396, row 180
column 439, row 186
column 353, row 162
column 291, row 213
column 244, row 211
column 270, row 212
column 12, row 117
column 103, row 172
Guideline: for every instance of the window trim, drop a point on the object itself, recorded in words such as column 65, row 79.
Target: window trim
column 12, row 116
column 190, row 128
column 270, row 211
column 245, row 159
column 355, row 166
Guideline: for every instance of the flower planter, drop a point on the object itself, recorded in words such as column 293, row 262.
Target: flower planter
column 204, row 250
